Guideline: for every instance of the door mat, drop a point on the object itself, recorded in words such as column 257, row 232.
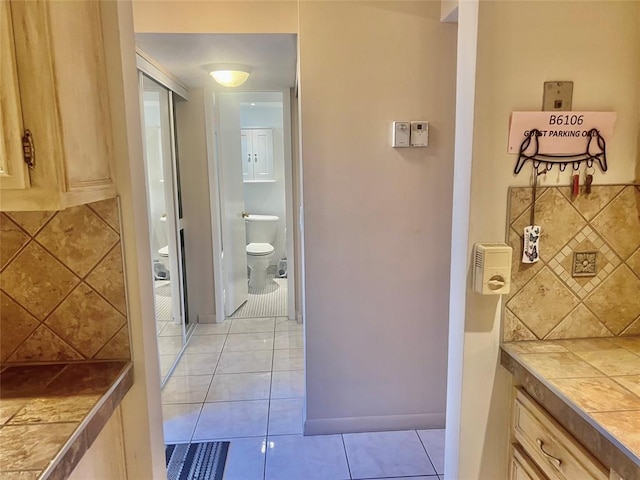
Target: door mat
column 196, row 461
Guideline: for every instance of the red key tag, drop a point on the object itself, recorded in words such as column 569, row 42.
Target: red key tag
column 576, row 185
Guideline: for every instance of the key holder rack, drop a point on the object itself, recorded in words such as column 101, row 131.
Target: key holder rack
column 595, row 152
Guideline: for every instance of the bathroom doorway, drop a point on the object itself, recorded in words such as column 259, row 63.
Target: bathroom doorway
column 165, row 220
column 251, row 132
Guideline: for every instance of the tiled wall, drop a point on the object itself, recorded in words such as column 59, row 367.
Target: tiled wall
column 62, row 285
column 547, row 300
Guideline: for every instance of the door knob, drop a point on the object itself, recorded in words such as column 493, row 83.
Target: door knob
column 245, row 215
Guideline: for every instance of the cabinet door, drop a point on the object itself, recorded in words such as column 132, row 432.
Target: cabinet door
column 13, row 170
column 262, row 141
column 247, row 155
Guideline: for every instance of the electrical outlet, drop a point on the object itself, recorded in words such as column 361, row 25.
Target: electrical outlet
column 557, row 96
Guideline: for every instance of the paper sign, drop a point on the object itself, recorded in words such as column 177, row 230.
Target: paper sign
column 560, row 132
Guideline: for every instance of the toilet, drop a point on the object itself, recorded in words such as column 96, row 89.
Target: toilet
column 261, row 235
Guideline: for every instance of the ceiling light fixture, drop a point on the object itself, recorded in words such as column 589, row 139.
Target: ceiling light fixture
column 228, row 74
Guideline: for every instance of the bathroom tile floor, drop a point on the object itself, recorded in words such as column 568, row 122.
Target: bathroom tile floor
column 243, row 381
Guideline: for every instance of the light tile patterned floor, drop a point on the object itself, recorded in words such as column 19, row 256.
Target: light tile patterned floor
column 243, row 381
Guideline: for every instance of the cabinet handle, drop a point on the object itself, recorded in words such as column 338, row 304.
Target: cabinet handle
column 249, row 157
column 551, row 458
column 256, row 157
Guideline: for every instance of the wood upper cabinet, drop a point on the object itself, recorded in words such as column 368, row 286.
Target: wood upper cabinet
column 55, row 51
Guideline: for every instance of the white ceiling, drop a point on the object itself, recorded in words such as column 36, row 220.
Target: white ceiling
column 272, row 57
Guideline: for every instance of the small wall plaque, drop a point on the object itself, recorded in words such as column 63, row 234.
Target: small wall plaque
column 584, row 264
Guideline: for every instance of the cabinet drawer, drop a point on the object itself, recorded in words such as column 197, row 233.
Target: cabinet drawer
column 521, row 467
column 552, row 448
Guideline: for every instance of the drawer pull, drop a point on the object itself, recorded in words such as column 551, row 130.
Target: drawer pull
column 551, row 458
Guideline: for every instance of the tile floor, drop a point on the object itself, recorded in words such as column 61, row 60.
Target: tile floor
column 243, row 381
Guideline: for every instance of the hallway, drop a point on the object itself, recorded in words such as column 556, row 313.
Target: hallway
column 243, row 381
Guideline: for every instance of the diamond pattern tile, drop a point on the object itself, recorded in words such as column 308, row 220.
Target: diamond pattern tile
column 31, row 222
column 108, row 279
column 521, row 273
column 44, row 345
column 519, row 200
column 12, row 239
column 616, row 302
column 586, row 240
column 78, row 238
column 16, row 324
column 544, row 289
column 117, row 348
column 619, row 222
column 559, row 221
column 589, row 205
column 37, row 281
column 634, row 262
column 87, row 332
column 107, row 210
column 633, row 329
column 514, row 330
column 580, row 323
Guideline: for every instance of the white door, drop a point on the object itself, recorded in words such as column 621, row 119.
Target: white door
column 247, row 158
column 232, row 203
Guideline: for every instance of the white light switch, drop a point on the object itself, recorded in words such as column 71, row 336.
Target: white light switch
column 401, row 133
column 419, row 134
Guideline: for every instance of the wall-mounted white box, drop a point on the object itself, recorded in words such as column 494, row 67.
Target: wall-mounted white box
column 401, row 133
column 492, row 268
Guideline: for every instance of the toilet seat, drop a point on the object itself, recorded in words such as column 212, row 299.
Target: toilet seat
column 164, row 251
column 259, row 249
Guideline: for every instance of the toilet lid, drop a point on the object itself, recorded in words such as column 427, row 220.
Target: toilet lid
column 259, row 248
column 164, row 251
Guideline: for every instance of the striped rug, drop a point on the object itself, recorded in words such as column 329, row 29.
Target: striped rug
column 196, row 461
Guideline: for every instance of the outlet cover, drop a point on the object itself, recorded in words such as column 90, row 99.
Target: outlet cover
column 557, row 96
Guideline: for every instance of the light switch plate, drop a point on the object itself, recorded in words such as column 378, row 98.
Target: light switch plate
column 557, row 96
column 401, row 134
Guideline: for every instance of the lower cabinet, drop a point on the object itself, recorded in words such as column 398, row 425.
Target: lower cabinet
column 105, row 458
column 543, row 449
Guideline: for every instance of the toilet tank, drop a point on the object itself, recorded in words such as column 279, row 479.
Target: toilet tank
column 262, row 228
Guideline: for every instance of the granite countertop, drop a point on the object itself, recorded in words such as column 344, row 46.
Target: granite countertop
column 51, row 414
column 591, row 387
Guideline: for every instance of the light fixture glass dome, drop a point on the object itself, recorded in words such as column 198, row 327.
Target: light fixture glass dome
column 229, row 75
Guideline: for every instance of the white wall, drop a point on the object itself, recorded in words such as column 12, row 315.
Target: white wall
column 521, row 45
column 377, row 219
column 191, row 139
column 268, row 198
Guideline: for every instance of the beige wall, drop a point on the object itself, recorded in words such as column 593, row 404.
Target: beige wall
column 520, row 45
column 213, row 16
column 377, row 220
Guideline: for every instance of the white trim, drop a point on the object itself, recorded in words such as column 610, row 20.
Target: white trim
column 299, row 318
column 465, row 103
column 153, row 69
column 288, row 201
column 211, row 126
column 328, row 426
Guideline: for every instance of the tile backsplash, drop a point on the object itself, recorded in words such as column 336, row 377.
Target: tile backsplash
column 62, row 293
column 563, row 295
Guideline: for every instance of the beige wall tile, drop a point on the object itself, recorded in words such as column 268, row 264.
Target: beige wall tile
column 31, row 222
column 43, row 345
column 557, row 218
column 579, row 323
column 108, row 279
column 616, row 301
column 12, row 239
column 521, row 273
column 519, row 200
column 633, row 329
column 37, row 281
column 634, row 262
column 78, row 238
column 514, row 329
column 619, row 222
column 543, row 303
column 16, row 324
column 589, row 205
column 90, row 330
column 535, row 347
column 117, row 348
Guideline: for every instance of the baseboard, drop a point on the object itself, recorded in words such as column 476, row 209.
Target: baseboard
column 299, row 317
column 207, row 318
column 327, row 426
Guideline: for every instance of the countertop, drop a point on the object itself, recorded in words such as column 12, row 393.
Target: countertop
column 591, row 387
column 51, row 414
